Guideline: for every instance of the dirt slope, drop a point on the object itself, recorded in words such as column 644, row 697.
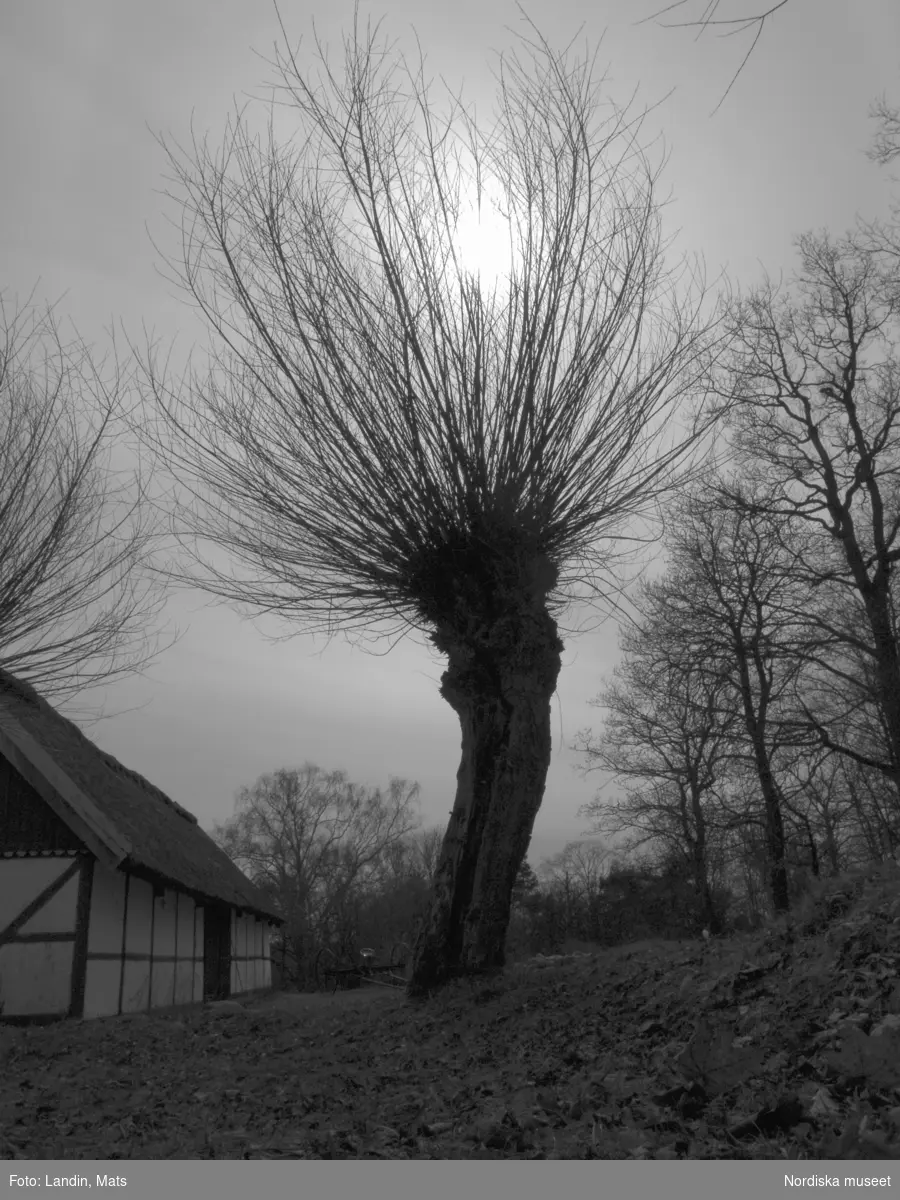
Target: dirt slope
column 780, row 1046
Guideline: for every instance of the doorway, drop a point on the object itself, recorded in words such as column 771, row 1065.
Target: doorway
column 216, row 952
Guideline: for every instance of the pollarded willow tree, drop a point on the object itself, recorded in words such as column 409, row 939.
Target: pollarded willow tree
column 395, row 437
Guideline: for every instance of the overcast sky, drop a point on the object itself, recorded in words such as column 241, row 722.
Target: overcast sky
column 85, row 86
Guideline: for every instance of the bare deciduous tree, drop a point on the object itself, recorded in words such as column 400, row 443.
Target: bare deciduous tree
column 576, row 876
column 426, row 849
column 817, row 422
column 735, row 596
column 670, row 725
column 841, row 698
column 77, row 597
column 394, row 438
column 309, row 837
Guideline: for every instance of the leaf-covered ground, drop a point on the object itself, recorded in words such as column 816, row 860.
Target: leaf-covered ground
column 783, row 1045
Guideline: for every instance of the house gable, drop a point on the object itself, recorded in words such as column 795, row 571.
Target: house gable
column 36, row 767
column 27, row 823
column 122, row 818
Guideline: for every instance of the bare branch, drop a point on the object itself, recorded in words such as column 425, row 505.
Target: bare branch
column 886, row 142
column 817, row 427
column 77, row 593
column 735, row 25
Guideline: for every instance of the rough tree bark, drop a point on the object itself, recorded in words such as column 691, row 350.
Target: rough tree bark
column 756, row 710
column 699, row 854
column 504, row 659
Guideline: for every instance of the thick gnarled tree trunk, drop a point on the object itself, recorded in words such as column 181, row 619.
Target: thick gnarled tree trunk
column 500, row 680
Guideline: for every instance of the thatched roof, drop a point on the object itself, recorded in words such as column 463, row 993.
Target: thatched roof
column 122, row 818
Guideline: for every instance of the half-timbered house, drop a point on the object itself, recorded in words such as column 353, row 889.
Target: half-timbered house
column 112, row 898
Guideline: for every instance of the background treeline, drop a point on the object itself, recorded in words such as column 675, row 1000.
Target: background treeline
column 348, row 868
column 344, row 864
column 754, row 721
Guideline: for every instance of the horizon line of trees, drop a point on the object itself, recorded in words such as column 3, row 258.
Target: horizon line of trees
column 755, row 713
column 348, row 866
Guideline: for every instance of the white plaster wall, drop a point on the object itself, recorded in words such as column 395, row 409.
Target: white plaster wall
column 253, row 945
column 101, row 987
column 198, row 959
column 36, row 978
column 162, row 985
column 263, row 971
column 250, row 968
column 236, row 975
column 107, row 911
column 136, row 985
column 173, row 929
column 23, row 879
column 185, row 950
column 58, row 914
column 104, row 975
column 265, row 955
